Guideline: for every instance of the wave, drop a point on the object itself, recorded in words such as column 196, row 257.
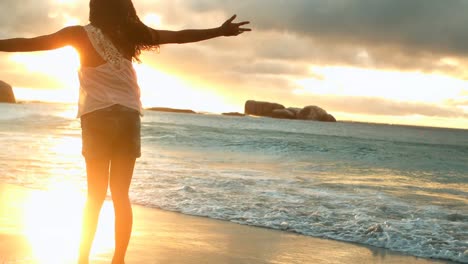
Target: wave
column 386, row 222
column 401, row 189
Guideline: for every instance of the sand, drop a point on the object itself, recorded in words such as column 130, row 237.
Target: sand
column 42, row 227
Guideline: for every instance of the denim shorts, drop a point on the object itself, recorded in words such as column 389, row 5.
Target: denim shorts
column 111, row 133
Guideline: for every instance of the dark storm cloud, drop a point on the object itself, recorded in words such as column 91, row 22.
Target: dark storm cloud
column 402, row 34
column 421, row 26
column 399, row 34
column 431, row 25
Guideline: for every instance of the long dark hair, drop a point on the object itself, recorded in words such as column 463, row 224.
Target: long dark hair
column 118, row 20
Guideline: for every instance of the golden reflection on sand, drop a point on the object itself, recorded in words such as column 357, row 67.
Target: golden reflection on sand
column 51, row 222
column 41, row 227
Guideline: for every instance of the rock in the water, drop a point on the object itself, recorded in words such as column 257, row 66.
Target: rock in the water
column 330, row 118
column 283, row 113
column 172, row 110
column 275, row 110
column 261, row 108
column 233, row 114
column 6, row 93
column 374, row 229
column 295, row 110
column 315, row 113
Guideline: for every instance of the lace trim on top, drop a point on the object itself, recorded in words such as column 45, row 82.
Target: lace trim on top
column 103, row 46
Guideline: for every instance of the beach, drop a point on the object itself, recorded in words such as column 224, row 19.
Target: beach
column 397, row 188
column 165, row 237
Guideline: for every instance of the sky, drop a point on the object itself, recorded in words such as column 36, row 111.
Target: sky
column 383, row 61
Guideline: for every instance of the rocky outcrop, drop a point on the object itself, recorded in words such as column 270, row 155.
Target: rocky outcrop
column 258, row 108
column 172, row 110
column 275, row 110
column 233, row 114
column 283, row 114
column 295, row 110
column 6, row 93
column 316, row 113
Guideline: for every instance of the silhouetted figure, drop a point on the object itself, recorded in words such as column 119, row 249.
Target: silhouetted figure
column 109, row 105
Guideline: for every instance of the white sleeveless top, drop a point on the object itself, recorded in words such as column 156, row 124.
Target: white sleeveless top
column 114, row 82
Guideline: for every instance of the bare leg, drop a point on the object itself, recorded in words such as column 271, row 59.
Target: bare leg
column 120, row 177
column 98, row 179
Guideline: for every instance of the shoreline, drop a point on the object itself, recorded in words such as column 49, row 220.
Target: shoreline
column 342, row 121
column 33, row 222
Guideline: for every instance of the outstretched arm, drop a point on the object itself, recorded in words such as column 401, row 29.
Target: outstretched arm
column 62, row 38
column 194, row 35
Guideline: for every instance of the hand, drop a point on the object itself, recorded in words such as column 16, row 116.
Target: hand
column 233, row 29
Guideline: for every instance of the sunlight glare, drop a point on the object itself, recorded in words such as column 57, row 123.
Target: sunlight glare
column 66, row 1
column 452, row 62
column 52, row 218
column 403, row 86
column 59, row 96
column 152, row 20
column 160, row 89
column 61, row 65
column 66, row 146
column 71, row 21
column 52, row 224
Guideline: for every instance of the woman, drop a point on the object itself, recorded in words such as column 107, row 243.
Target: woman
column 109, row 105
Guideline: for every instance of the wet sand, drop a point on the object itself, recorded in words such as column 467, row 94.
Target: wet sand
column 43, row 226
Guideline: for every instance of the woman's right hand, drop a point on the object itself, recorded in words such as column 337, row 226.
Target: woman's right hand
column 229, row 29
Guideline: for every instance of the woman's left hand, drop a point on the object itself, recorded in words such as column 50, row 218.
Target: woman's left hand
column 233, row 29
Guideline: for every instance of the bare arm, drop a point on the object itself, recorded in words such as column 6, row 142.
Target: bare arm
column 62, row 38
column 195, row 35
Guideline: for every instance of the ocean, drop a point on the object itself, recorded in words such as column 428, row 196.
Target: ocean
column 396, row 187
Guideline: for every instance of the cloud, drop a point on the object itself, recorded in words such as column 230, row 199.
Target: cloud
column 411, row 30
column 430, row 25
column 458, row 102
column 393, row 34
column 289, row 37
column 29, row 18
column 380, row 106
column 399, row 34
